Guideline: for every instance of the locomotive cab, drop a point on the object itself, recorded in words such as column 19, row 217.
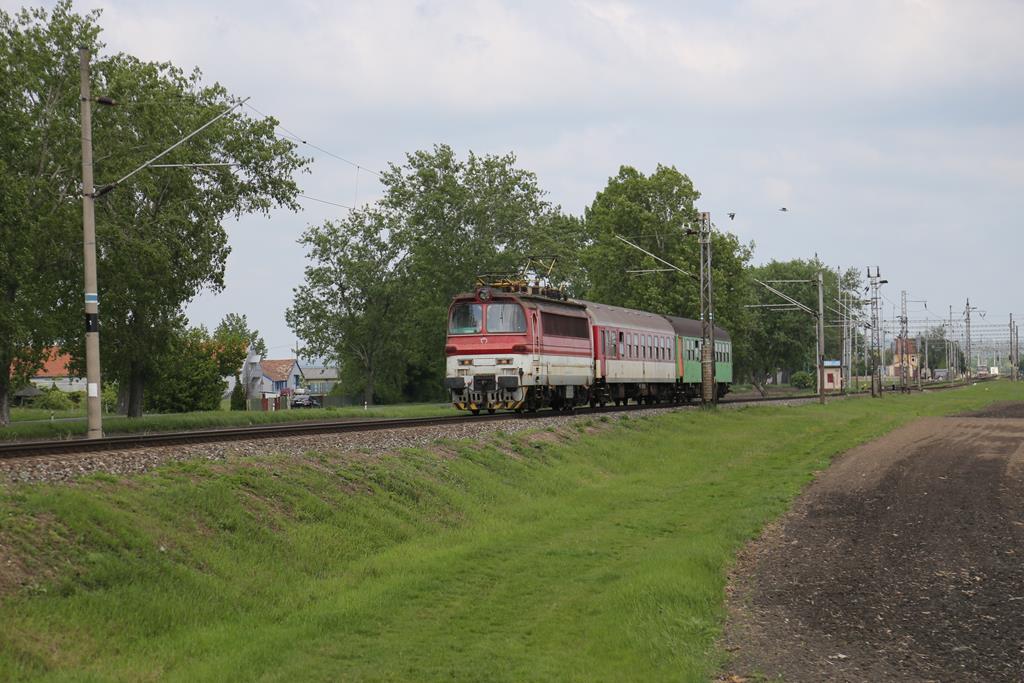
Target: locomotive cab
column 489, row 351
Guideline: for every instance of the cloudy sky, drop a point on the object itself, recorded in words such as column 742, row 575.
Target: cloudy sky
column 891, row 129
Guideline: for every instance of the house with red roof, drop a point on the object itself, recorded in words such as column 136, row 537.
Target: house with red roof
column 281, row 376
column 56, row 372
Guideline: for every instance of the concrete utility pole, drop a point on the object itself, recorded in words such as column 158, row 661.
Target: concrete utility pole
column 821, row 338
column 922, row 358
column 876, row 334
column 952, row 346
column 94, row 405
column 904, row 341
column 970, row 358
column 709, row 392
column 1013, row 352
column 846, row 362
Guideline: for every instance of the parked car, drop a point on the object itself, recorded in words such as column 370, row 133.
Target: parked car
column 304, row 401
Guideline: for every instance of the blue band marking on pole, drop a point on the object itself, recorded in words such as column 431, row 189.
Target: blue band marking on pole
column 92, row 298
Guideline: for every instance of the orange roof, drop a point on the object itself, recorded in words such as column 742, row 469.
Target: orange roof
column 56, row 365
column 277, row 370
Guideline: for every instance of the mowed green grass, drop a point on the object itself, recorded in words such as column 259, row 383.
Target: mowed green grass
column 597, row 555
column 118, row 424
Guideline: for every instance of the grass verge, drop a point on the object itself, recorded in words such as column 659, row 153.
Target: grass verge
column 118, row 424
column 594, row 554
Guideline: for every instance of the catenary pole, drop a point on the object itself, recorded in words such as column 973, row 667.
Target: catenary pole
column 709, row 392
column 94, row 407
column 951, row 345
column 903, row 345
column 970, row 358
column 921, row 368
column 1013, row 375
column 821, row 338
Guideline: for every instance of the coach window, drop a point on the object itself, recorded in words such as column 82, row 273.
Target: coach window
column 622, row 346
column 466, row 319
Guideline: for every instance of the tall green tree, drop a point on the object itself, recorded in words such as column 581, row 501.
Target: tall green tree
column 456, row 219
column 377, row 293
column 356, row 305
column 160, row 233
column 654, row 212
column 40, row 204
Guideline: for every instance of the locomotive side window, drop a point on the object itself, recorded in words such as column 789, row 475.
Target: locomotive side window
column 564, row 325
column 466, row 319
column 505, row 318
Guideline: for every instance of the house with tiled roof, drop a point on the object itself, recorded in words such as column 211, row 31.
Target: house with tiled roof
column 56, row 372
column 282, row 376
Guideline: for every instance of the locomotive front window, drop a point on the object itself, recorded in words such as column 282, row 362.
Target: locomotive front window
column 505, row 318
column 466, row 319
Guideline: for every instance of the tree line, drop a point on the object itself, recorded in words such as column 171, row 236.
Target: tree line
column 379, row 279
column 160, row 238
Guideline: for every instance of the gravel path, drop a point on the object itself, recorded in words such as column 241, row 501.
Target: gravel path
column 902, row 561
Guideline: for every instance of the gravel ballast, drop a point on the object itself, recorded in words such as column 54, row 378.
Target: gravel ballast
column 49, row 468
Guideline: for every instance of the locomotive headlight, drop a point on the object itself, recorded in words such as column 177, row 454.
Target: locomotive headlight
column 504, row 361
column 465, row 361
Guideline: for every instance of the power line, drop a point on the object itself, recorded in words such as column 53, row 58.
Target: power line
column 298, row 138
column 324, row 201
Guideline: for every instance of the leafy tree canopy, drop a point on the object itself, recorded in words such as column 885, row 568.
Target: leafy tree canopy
column 654, row 212
column 160, row 238
column 385, row 276
column 355, row 307
column 235, row 337
column 40, row 232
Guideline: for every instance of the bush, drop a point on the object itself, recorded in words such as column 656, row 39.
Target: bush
column 238, row 395
column 802, row 380
column 53, row 399
column 109, row 397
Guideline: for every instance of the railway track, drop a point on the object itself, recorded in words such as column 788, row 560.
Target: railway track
column 123, row 442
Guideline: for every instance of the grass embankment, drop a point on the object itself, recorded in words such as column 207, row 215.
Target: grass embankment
column 170, row 422
column 595, row 555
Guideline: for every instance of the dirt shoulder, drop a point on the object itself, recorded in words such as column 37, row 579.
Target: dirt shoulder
column 903, row 561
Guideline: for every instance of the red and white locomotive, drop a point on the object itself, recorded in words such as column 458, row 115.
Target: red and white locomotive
column 522, row 348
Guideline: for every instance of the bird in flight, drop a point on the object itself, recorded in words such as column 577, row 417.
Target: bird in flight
column 732, row 215
column 783, row 209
